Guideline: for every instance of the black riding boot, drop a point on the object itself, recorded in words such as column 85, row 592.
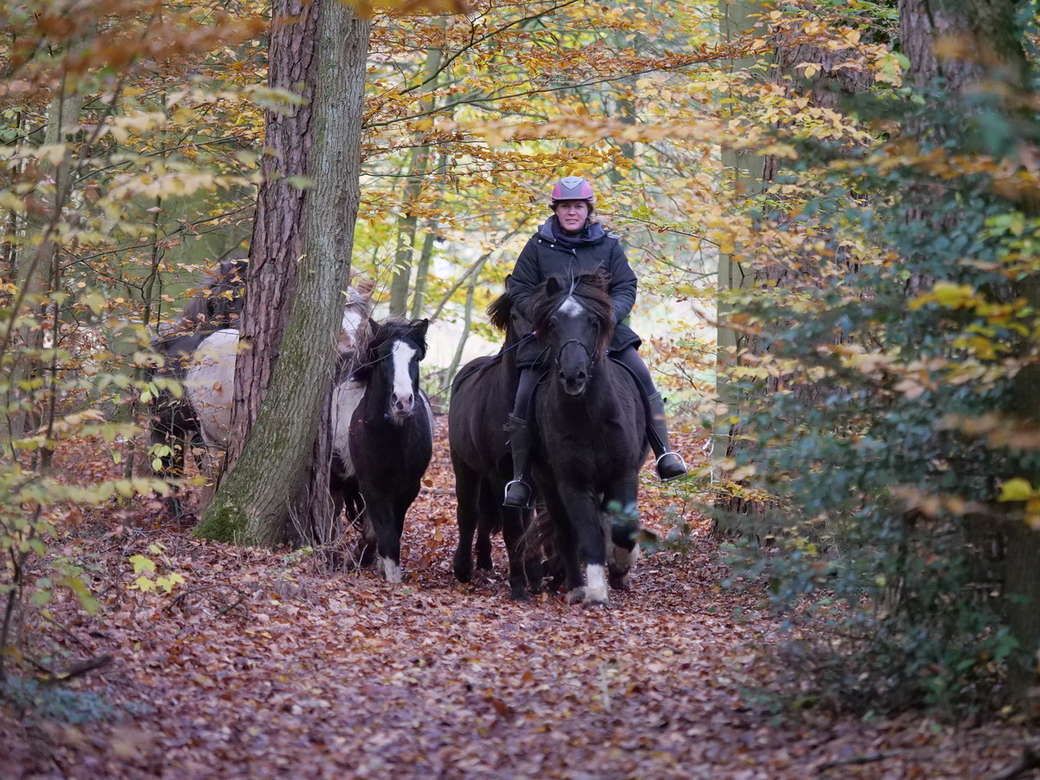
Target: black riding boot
column 518, row 491
column 669, row 464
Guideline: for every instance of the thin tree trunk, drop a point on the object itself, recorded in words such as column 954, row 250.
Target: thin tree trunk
column 422, row 271
column 748, row 172
column 419, row 164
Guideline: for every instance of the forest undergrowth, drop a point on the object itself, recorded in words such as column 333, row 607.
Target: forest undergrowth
column 206, row 660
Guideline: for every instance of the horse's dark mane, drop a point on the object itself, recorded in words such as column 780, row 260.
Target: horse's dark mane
column 498, row 311
column 591, row 288
column 388, row 330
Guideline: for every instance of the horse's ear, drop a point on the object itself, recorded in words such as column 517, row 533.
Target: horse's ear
column 553, row 285
column 419, row 328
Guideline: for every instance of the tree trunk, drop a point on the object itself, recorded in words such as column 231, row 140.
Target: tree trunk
column 422, row 271
column 36, row 274
column 277, row 486
column 748, row 171
column 988, row 48
column 404, row 258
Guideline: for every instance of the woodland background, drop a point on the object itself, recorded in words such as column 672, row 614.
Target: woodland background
column 846, row 191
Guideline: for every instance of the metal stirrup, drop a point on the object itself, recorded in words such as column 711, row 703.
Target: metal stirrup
column 664, row 455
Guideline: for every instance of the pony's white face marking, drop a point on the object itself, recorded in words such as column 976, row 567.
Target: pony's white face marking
column 391, row 570
column 353, row 321
column 596, row 585
column 571, row 307
column 403, row 400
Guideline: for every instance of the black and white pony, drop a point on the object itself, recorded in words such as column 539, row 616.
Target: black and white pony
column 383, row 437
column 591, row 441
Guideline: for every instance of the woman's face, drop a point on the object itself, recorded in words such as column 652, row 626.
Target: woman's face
column 572, row 215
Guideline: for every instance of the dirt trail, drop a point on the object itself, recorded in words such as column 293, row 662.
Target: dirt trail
column 261, row 666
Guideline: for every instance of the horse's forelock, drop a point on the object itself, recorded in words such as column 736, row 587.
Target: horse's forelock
column 592, row 289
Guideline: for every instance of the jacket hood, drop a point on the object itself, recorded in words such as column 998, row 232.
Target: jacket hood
column 551, row 231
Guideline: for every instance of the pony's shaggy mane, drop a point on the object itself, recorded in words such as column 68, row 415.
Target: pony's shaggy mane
column 383, row 333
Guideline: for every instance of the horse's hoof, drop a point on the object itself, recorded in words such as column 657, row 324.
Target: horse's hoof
column 576, row 595
column 485, row 563
column 619, row 582
column 594, row 604
column 463, row 569
column 518, row 593
column 391, row 570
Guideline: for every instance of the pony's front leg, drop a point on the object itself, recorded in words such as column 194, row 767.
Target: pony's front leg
column 523, row 573
column 621, row 529
column 388, row 540
column 566, row 541
column 583, row 511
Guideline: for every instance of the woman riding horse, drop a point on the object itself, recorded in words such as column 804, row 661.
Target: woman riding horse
column 571, row 243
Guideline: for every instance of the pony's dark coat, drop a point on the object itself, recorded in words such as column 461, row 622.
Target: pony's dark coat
column 390, row 439
column 481, row 399
column 591, row 428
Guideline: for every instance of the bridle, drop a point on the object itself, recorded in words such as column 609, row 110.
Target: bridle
column 559, row 353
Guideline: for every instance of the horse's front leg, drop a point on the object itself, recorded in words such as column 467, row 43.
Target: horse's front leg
column 566, row 541
column 522, row 572
column 582, row 507
column 380, row 513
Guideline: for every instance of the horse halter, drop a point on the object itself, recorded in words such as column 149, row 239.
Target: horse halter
column 592, row 357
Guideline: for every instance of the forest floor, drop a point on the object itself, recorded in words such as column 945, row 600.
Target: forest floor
column 261, row 665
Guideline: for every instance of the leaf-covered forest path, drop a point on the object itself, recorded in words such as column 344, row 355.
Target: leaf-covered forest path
column 261, row 665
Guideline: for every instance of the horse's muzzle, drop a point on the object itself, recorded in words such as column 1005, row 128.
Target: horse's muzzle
column 575, row 386
column 401, row 407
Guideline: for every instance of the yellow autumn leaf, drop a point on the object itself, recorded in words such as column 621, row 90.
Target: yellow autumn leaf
column 951, row 295
column 1016, row 489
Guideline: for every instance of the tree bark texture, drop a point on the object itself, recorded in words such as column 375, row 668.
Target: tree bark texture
column 331, row 214
column 981, row 42
column 277, row 486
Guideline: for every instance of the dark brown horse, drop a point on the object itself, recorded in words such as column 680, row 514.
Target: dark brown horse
column 591, row 425
column 481, row 398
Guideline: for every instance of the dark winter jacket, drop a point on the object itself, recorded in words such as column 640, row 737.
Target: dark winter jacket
column 550, row 252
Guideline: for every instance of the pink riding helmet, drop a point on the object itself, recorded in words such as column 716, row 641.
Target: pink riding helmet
column 573, row 188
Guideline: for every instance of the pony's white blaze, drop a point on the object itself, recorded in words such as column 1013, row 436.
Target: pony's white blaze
column 596, row 584
column 210, row 385
column 571, row 307
column 350, row 334
column 391, row 570
column 403, row 354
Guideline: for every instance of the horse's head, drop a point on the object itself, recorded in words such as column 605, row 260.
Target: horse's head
column 356, row 312
column 574, row 319
column 220, row 302
column 391, row 363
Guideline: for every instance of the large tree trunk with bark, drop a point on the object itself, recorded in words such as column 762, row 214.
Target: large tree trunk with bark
column 277, row 484
column 983, row 49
